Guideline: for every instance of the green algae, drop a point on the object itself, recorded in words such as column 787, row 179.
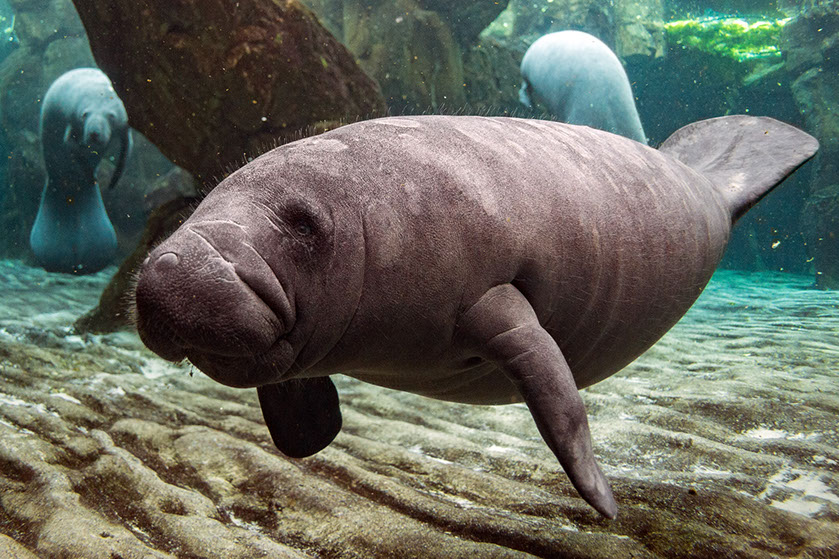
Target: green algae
column 732, row 38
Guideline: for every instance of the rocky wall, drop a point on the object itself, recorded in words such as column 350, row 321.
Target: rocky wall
column 630, row 28
column 416, row 49
column 412, row 52
column 213, row 82
column 811, row 42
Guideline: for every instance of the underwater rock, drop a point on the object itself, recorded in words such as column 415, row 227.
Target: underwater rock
column 492, row 77
column 466, row 18
column 811, row 43
column 38, row 21
column 720, row 442
column 412, row 53
column 528, row 18
column 415, row 49
column 638, row 29
column 631, row 29
column 246, row 71
column 10, row 549
column 113, row 312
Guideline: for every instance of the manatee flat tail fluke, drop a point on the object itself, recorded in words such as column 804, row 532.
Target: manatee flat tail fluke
column 744, row 156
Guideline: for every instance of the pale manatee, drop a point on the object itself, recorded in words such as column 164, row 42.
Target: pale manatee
column 581, row 81
column 474, row 259
column 82, row 119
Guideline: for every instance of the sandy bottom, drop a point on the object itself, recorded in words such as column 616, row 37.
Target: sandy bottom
column 721, row 441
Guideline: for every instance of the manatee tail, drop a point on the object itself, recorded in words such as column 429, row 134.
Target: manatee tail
column 744, row 156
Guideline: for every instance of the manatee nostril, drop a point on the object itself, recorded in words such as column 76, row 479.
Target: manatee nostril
column 168, row 259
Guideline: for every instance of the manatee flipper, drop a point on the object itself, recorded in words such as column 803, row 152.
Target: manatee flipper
column 524, row 97
column 125, row 144
column 744, row 156
column 302, row 415
column 503, row 328
column 68, row 134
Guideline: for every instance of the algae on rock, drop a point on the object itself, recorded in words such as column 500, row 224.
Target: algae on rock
column 733, row 38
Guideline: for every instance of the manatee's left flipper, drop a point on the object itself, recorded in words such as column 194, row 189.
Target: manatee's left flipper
column 502, row 327
column 126, row 143
column 524, row 97
column 302, row 415
column 68, row 134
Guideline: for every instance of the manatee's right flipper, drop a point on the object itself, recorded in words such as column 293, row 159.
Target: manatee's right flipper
column 744, row 156
column 302, row 415
column 126, row 143
column 502, row 327
column 524, row 97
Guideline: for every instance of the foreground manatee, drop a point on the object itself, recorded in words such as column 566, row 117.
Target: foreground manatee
column 473, row 259
column 81, row 119
column 581, row 81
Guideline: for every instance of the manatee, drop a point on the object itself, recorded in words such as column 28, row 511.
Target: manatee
column 82, row 119
column 581, row 81
column 473, row 259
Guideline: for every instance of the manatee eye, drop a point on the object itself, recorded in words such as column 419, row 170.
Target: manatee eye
column 302, row 219
column 307, row 227
column 303, row 229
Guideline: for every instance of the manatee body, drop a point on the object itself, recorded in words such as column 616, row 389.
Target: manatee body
column 581, row 81
column 82, row 119
column 473, row 259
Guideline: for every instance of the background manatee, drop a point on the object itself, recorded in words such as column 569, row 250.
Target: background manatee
column 581, row 81
column 82, row 120
column 479, row 260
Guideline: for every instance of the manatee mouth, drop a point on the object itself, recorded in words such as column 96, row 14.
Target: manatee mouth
column 207, row 295
column 245, row 371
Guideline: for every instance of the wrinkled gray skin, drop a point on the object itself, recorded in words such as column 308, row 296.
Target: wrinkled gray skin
column 473, row 259
column 581, row 81
column 82, row 119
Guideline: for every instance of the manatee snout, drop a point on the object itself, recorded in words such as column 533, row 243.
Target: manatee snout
column 210, row 302
column 97, row 132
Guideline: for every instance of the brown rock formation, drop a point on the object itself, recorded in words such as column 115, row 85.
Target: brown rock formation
column 410, row 51
column 416, row 49
column 811, row 42
column 467, row 19
column 208, row 81
column 629, row 28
